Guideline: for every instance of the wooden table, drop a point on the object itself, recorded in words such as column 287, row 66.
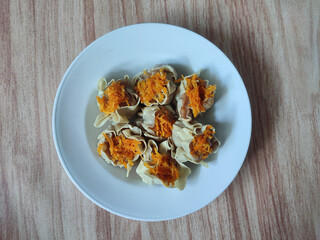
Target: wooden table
column 274, row 45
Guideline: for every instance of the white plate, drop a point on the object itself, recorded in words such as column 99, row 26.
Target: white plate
column 129, row 50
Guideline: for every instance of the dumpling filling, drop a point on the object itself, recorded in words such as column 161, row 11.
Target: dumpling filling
column 198, row 93
column 163, row 167
column 115, row 96
column 120, row 150
column 153, row 88
column 164, row 121
column 202, row 145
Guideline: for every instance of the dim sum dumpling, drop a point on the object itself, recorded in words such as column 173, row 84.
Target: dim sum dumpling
column 158, row 166
column 194, row 142
column 116, row 101
column 193, row 96
column 121, row 145
column 156, row 86
column 157, row 121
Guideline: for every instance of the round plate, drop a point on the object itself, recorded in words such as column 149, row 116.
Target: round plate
column 129, row 50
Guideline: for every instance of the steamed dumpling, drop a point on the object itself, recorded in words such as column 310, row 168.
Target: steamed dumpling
column 157, row 121
column 193, row 96
column 156, row 86
column 159, row 167
column 194, row 141
column 116, row 101
column 121, row 145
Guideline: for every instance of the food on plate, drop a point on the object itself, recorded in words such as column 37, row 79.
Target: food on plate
column 157, row 121
column 156, row 86
column 194, row 142
column 159, row 137
column 159, row 167
column 193, row 96
column 116, row 101
column 121, row 145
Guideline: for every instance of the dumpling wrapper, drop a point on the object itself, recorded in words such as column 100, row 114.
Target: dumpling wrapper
column 128, row 131
column 183, row 134
column 123, row 113
column 171, row 75
column 181, row 100
column 164, row 148
column 147, row 120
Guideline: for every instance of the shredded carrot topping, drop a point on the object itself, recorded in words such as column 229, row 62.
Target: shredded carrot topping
column 113, row 96
column 200, row 146
column 153, row 88
column 164, row 167
column 180, row 79
column 198, row 93
column 121, row 150
column 164, row 121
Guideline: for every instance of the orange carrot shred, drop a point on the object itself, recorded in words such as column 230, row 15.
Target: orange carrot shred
column 200, row 146
column 153, row 88
column 114, row 95
column 120, row 150
column 198, row 93
column 164, row 121
column 164, row 167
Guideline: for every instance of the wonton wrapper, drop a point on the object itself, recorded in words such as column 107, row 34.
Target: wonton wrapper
column 183, row 134
column 122, row 114
column 129, row 131
column 171, row 76
column 147, row 120
column 182, row 100
column 164, row 147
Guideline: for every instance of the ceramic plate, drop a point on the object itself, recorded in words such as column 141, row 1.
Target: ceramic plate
column 129, row 50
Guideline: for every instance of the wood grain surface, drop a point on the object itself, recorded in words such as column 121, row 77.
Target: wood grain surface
column 275, row 46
